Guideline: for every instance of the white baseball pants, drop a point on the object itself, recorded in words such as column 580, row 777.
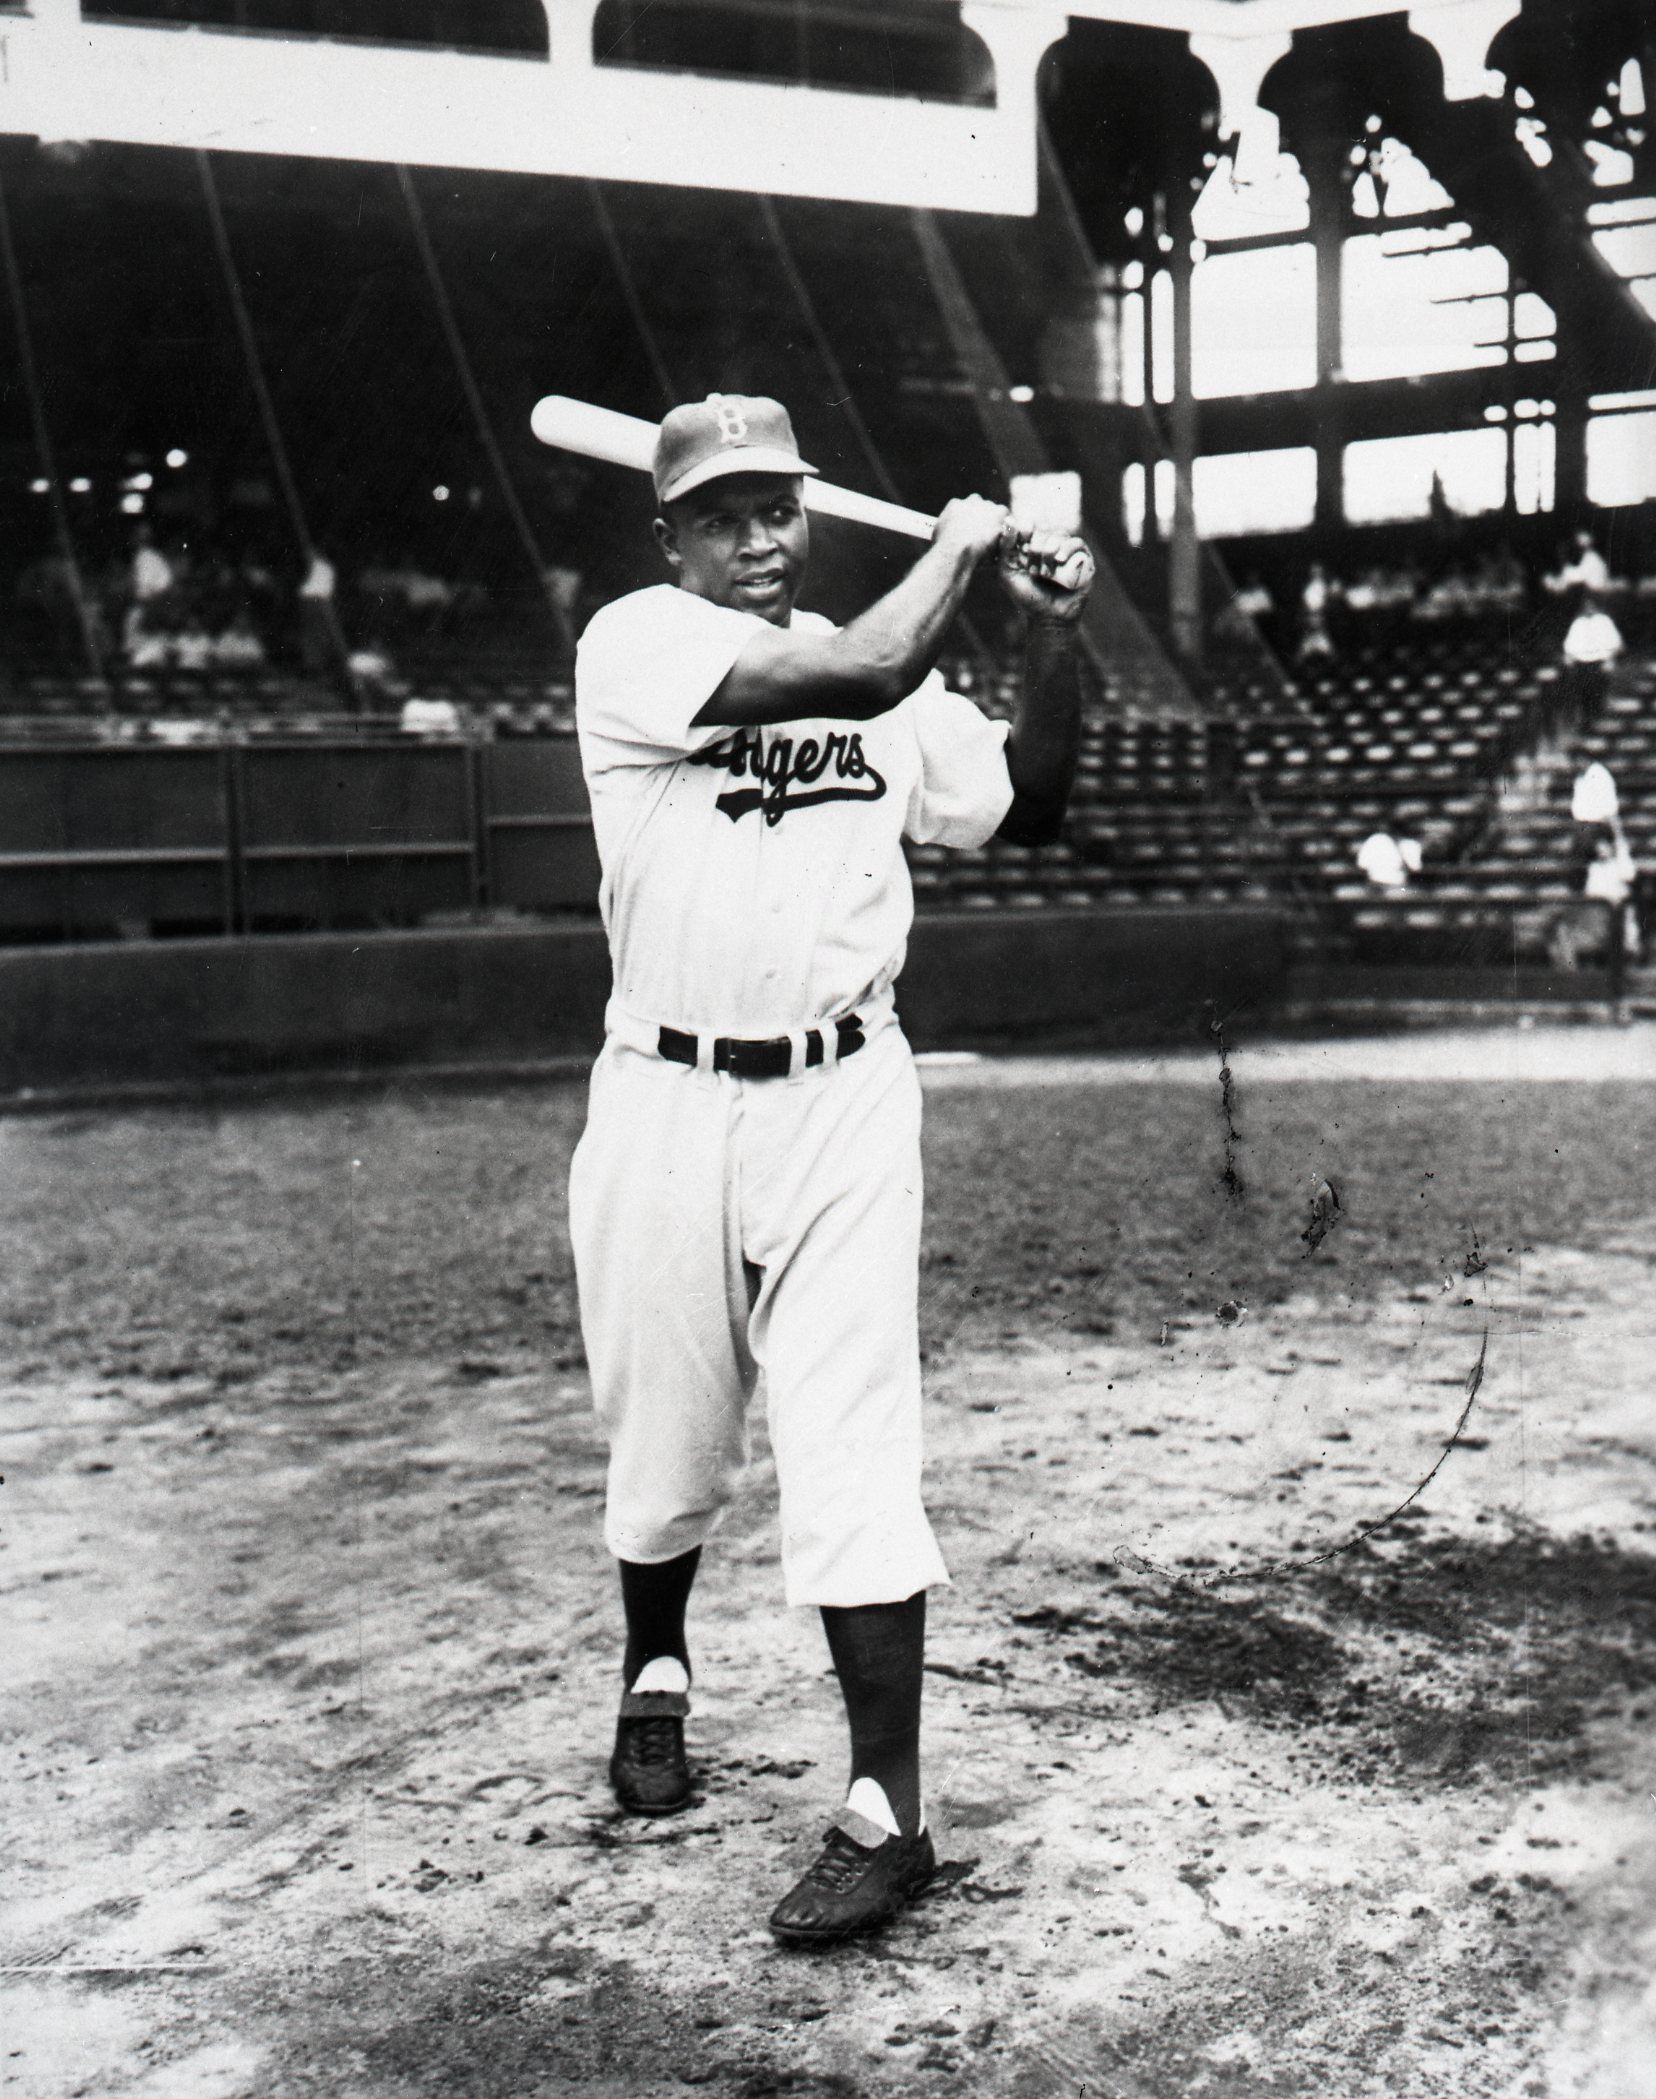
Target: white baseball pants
column 727, row 1230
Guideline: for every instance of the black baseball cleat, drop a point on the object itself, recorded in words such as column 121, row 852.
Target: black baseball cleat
column 862, row 1880
column 648, row 1768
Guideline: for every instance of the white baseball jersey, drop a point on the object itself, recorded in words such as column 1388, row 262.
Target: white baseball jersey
column 753, row 879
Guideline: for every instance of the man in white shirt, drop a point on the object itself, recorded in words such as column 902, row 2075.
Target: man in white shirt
column 1591, row 647
column 1586, row 568
column 745, row 1199
column 1388, row 862
column 318, row 621
column 152, row 572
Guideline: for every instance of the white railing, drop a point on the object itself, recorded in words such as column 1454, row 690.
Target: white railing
column 65, row 78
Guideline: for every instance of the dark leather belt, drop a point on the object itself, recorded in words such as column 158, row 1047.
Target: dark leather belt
column 760, row 1060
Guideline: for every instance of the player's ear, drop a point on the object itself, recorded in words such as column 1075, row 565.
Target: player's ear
column 667, row 540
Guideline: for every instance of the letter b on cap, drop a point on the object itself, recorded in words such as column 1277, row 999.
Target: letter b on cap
column 733, row 425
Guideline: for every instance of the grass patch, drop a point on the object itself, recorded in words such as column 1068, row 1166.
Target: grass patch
column 224, row 1241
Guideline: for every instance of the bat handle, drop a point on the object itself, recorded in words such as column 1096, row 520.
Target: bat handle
column 1014, row 539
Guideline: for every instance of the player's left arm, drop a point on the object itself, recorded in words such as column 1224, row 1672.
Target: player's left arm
column 1048, row 578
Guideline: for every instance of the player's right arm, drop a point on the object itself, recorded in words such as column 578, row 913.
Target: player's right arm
column 875, row 660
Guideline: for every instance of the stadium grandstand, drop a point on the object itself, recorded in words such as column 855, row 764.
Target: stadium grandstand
column 1343, row 317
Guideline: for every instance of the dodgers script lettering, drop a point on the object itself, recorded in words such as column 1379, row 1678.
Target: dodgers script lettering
column 784, row 768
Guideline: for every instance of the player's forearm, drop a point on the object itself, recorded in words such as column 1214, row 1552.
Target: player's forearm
column 892, row 645
column 1042, row 750
column 864, row 670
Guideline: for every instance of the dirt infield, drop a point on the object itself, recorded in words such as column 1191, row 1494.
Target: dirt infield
column 311, row 1645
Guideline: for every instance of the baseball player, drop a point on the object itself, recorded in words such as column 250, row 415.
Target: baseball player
column 745, row 1199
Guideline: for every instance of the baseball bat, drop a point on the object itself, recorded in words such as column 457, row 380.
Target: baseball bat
column 627, row 440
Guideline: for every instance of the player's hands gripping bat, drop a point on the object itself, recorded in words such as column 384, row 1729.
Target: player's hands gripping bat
column 1047, row 574
column 975, row 527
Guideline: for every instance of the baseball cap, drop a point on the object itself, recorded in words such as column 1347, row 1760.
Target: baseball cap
column 725, row 434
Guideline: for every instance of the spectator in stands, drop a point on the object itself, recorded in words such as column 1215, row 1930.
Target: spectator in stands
column 146, row 639
column 318, row 623
column 1609, row 924
column 1248, row 615
column 1316, row 604
column 1591, row 647
column 1388, row 862
column 371, row 673
column 564, row 584
column 239, row 647
column 151, row 575
column 1380, row 600
column 564, row 581
column 1368, row 593
column 1612, row 879
column 192, row 645
column 1584, row 568
column 429, row 718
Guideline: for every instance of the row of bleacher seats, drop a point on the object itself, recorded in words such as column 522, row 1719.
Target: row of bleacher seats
column 1166, row 812
column 182, row 706
column 1416, row 746
column 1402, row 671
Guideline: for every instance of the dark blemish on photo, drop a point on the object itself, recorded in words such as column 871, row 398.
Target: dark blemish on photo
column 1325, row 1213
column 1231, row 1179
column 1261, row 1569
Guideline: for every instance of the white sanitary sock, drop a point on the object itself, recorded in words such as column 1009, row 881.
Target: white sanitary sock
column 665, row 1673
column 867, row 1798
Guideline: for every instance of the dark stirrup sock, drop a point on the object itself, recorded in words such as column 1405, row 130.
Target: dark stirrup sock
column 879, row 1653
column 654, row 1599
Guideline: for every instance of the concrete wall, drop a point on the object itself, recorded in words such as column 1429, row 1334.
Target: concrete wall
column 150, row 1013
column 1087, row 979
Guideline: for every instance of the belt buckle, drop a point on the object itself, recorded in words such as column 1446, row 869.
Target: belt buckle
column 745, row 1059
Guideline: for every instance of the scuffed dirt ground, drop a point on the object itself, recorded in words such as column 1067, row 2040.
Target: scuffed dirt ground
column 310, row 1645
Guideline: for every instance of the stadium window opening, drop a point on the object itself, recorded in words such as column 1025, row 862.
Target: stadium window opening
column 502, row 28
column 918, row 48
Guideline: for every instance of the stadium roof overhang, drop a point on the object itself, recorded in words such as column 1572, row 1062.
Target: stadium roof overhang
column 63, row 77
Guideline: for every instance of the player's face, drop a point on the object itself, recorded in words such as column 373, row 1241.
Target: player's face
column 742, row 541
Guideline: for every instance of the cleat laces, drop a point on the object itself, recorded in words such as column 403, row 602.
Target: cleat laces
column 840, row 1865
column 654, row 1740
